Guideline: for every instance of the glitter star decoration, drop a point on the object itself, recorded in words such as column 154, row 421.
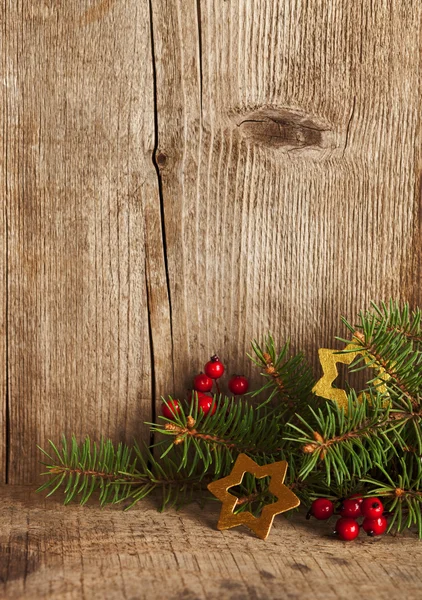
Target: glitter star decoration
column 286, row 499
column 329, row 359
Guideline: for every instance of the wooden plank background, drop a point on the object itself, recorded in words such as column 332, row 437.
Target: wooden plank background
column 180, row 177
column 72, row 552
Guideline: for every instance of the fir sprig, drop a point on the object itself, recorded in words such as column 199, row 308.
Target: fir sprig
column 401, row 489
column 346, row 443
column 289, row 379
column 82, row 469
column 401, row 320
column 374, row 447
column 391, row 337
column 116, row 473
column 212, row 442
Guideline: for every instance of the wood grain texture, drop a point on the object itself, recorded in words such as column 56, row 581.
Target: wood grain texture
column 180, row 177
column 51, row 551
column 81, row 187
column 291, row 132
column 3, row 270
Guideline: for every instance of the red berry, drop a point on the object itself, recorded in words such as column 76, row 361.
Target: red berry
column 170, row 409
column 321, row 509
column 347, row 529
column 350, row 508
column 372, row 508
column 205, row 403
column 357, row 497
column 214, row 367
column 238, row 385
column 197, row 395
column 376, row 526
column 202, row 383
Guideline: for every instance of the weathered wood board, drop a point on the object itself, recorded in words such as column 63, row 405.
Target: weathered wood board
column 3, row 294
column 290, row 141
column 81, row 187
column 78, row 552
column 180, row 177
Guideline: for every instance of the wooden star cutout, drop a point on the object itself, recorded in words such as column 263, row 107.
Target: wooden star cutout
column 286, row 499
column 329, row 359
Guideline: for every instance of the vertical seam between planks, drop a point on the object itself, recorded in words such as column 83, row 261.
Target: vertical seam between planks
column 163, row 228
column 6, row 283
column 199, row 24
column 414, row 291
column 151, row 351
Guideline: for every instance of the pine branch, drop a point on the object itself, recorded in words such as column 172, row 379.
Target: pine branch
column 390, row 337
column 399, row 320
column 289, row 379
column 347, row 444
column 401, row 492
column 81, row 470
column 390, row 367
column 102, row 468
column 116, row 473
column 373, row 448
column 214, row 441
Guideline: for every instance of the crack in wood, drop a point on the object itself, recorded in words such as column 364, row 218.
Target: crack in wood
column 159, row 159
column 6, row 464
column 199, row 22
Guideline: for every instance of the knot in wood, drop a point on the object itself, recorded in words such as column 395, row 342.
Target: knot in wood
column 161, row 159
column 286, row 129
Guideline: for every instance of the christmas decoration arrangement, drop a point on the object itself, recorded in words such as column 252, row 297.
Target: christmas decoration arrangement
column 347, row 454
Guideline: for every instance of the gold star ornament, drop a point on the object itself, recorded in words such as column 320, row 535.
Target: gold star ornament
column 286, row 499
column 329, row 359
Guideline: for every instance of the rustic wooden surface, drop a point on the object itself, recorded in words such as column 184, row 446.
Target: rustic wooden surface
column 80, row 187
column 290, row 140
column 51, row 551
column 180, row 177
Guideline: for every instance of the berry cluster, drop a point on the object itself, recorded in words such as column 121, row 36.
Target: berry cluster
column 203, row 385
column 347, row 528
